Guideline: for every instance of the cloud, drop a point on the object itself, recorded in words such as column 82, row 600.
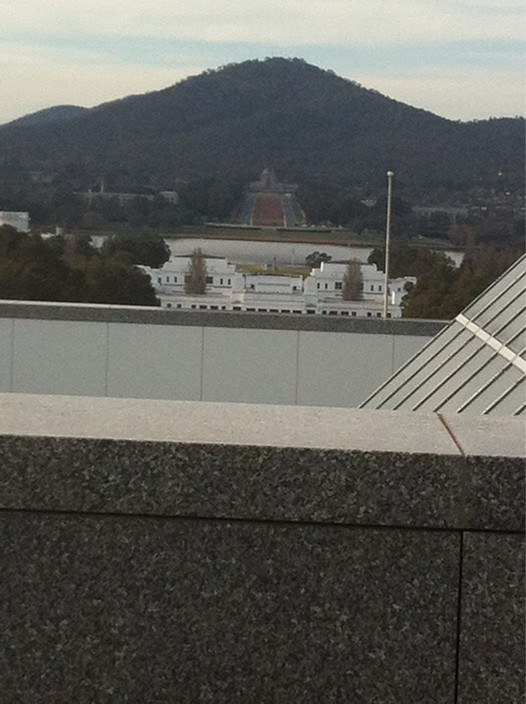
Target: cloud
column 425, row 52
column 273, row 21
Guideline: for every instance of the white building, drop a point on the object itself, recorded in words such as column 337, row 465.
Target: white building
column 324, row 287
column 320, row 292
column 18, row 220
column 169, row 280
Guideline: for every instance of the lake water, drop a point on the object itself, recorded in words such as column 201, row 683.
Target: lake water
column 250, row 252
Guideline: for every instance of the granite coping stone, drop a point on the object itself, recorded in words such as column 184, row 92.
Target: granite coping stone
column 486, row 436
column 228, row 319
column 223, row 423
column 250, row 462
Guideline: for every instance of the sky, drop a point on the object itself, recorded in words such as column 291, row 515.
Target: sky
column 461, row 59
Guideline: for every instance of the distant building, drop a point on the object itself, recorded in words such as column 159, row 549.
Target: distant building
column 271, row 203
column 18, row 220
column 91, row 196
column 170, row 279
column 320, row 293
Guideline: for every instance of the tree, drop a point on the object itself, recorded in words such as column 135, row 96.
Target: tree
column 110, row 280
column 314, row 259
column 34, row 269
column 346, row 210
column 195, row 279
column 143, row 248
column 352, row 281
column 30, row 269
column 443, row 290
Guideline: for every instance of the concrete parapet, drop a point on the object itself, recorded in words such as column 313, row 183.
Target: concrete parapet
column 190, row 552
column 90, row 350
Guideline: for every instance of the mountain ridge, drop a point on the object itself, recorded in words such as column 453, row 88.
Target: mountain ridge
column 55, row 113
column 309, row 124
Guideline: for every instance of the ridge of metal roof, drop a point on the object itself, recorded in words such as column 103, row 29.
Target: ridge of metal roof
column 476, row 364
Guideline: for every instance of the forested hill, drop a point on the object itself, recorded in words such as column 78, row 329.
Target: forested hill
column 310, row 125
column 57, row 113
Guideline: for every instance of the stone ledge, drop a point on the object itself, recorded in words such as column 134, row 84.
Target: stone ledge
column 243, row 461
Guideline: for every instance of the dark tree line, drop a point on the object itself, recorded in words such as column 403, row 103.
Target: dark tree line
column 70, row 270
column 442, row 289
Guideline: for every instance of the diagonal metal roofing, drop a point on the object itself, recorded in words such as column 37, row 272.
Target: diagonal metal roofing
column 476, row 364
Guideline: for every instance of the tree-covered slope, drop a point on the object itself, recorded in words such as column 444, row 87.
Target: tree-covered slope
column 54, row 114
column 308, row 124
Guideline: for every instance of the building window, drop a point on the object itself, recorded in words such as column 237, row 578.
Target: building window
column 175, row 279
column 167, row 279
column 338, row 285
column 168, row 305
column 326, row 286
column 353, row 313
column 209, row 279
column 372, row 287
column 159, row 280
column 378, row 315
column 369, row 315
column 229, row 281
column 380, row 287
column 318, row 285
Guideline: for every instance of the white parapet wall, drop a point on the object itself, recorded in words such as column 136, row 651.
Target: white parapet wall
column 118, row 351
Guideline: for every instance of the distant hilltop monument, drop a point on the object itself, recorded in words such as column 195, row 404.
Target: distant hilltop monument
column 270, row 203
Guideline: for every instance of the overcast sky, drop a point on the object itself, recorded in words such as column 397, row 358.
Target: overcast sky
column 462, row 59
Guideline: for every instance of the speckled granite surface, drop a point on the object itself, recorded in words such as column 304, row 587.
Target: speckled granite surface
column 492, row 644
column 143, row 560
column 105, row 609
column 225, row 481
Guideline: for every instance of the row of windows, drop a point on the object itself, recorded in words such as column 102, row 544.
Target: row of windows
column 338, row 285
column 209, row 280
column 352, row 313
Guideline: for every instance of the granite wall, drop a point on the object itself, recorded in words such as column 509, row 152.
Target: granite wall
column 56, row 348
column 157, row 551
